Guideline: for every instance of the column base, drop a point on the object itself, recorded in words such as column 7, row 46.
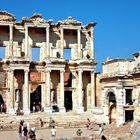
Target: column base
column 26, row 111
column 80, row 109
column 62, row 109
column 47, row 109
column 11, row 111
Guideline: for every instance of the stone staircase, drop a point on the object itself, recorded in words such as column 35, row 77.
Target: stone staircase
column 68, row 119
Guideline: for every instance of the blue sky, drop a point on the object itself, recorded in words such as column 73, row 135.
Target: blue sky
column 117, row 33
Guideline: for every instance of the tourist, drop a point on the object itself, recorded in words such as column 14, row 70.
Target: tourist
column 34, row 108
column 79, row 132
column 53, row 132
column 20, row 130
column 100, row 129
column 51, row 122
column 32, row 135
column 25, row 132
column 41, row 122
column 88, row 123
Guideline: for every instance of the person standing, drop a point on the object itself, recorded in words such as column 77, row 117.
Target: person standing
column 20, row 130
column 53, row 132
column 88, row 123
column 100, row 129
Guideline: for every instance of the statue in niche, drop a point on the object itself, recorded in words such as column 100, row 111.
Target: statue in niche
column 18, row 95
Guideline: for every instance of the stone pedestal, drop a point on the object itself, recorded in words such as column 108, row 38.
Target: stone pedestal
column 62, row 109
column 26, row 111
column 47, row 109
column 80, row 109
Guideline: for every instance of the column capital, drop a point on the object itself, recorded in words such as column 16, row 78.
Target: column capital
column 92, row 71
column 11, row 70
column 26, row 70
column 62, row 71
column 80, row 70
column 48, row 70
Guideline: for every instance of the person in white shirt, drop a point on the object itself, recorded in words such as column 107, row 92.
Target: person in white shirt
column 53, row 132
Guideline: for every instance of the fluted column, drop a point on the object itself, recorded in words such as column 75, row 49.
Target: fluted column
column 10, row 105
column 80, row 92
column 47, row 107
column 61, row 104
column 47, row 42
column 79, row 43
column 26, row 41
column 26, row 94
column 62, row 43
column 10, row 49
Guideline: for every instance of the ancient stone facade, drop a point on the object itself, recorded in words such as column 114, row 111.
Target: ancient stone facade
column 52, row 83
column 56, row 83
column 120, row 89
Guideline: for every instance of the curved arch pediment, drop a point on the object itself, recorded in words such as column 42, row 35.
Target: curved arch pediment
column 5, row 16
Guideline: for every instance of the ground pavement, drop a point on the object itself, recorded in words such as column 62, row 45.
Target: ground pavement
column 44, row 134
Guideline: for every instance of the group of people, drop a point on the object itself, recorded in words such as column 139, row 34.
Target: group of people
column 26, row 132
column 36, row 107
column 89, row 126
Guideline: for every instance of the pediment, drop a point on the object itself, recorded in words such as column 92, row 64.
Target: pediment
column 36, row 17
column 70, row 21
column 5, row 16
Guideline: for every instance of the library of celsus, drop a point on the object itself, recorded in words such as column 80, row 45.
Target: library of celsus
column 51, row 67
column 53, row 82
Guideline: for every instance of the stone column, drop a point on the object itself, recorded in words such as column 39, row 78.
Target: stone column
column 62, row 42
column 43, row 99
column 61, row 104
column 79, row 43
column 47, row 42
column 10, row 105
column 47, row 107
column 26, row 41
column 10, row 49
column 26, row 94
column 92, row 43
column 92, row 90
column 80, row 92
column 120, row 103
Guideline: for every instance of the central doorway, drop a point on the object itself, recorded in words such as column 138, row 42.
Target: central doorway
column 68, row 101
column 35, row 100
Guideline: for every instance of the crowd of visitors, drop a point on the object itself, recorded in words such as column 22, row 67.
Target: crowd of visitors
column 26, row 132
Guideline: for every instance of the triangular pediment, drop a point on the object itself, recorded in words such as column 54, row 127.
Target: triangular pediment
column 5, row 16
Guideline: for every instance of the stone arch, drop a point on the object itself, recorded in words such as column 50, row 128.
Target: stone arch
column 110, row 100
column 107, row 95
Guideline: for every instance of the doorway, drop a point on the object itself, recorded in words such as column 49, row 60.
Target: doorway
column 1, row 103
column 35, row 100
column 128, row 115
column 68, row 100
